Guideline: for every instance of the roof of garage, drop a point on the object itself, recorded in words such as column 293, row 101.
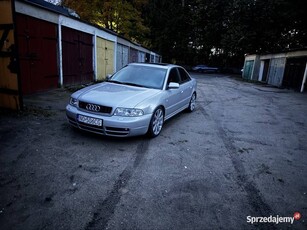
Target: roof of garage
column 63, row 11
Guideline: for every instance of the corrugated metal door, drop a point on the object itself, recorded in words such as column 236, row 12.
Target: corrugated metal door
column 248, row 68
column 77, row 56
column 37, row 43
column 276, row 71
column 105, row 58
column 125, row 55
column 133, row 55
column 141, row 57
column 147, row 58
column 157, row 58
column 122, row 56
column 119, row 57
column 294, row 73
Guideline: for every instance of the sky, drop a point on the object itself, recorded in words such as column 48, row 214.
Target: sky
column 53, row 1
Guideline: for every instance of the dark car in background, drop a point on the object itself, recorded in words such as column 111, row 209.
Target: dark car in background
column 205, row 69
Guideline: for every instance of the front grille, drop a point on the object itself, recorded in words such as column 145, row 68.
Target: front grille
column 104, row 130
column 91, row 128
column 94, row 107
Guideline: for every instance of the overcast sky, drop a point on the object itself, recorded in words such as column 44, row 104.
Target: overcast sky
column 53, row 1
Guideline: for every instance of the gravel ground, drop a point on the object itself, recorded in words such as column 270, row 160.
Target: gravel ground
column 241, row 154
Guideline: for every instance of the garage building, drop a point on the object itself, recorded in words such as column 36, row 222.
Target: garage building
column 51, row 47
column 288, row 69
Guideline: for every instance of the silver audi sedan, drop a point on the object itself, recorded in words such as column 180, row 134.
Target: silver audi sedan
column 136, row 100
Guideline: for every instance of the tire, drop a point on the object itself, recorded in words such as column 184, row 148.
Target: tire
column 192, row 103
column 156, row 122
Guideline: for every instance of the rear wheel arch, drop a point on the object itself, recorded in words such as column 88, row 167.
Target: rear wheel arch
column 195, row 93
column 192, row 103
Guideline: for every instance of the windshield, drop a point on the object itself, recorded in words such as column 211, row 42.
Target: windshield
column 143, row 76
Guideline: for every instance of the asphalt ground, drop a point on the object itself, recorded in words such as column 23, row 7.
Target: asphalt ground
column 241, row 154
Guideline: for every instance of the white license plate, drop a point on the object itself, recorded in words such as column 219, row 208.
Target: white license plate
column 90, row 120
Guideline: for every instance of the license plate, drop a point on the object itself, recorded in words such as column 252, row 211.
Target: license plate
column 90, row 120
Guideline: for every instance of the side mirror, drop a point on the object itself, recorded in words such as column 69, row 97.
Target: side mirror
column 108, row 77
column 173, row 85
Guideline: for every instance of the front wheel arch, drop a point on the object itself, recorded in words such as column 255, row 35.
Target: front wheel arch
column 156, row 122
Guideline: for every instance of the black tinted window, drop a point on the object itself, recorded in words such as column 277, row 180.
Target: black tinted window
column 184, row 76
column 173, row 76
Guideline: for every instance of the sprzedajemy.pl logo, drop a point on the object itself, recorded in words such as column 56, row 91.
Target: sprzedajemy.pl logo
column 273, row 219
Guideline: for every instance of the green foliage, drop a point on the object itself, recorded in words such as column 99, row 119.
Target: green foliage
column 217, row 32
column 220, row 32
column 123, row 17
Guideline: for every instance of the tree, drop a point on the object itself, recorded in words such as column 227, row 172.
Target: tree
column 121, row 16
column 264, row 26
column 217, row 32
column 169, row 22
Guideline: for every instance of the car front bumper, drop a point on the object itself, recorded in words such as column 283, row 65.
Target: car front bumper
column 112, row 125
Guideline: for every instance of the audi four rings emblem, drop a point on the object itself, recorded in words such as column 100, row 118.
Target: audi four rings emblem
column 92, row 107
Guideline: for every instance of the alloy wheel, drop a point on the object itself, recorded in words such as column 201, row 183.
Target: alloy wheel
column 157, row 122
column 192, row 103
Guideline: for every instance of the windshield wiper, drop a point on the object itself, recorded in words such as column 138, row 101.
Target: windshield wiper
column 116, row 82
column 133, row 84
column 126, row 83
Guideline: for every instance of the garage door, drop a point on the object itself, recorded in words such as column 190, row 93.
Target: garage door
column 248, row 69
column 105, row 58
column 276, row 71
column 77, row 57
column 122, row 56
column 37, row 50
column 294, row 73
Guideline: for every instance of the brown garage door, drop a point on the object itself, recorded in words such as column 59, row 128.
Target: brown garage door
column 77, row 51
column 37, row 50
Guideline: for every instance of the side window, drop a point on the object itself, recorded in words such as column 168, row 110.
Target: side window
column 173, row 76
column 184, row 76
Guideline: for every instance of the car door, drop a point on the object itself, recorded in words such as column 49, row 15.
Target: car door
column 186, row 87
column 173, row 96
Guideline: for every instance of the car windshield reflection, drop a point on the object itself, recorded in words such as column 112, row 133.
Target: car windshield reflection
column 140, row 76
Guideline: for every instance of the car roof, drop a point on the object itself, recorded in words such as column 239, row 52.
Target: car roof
column 157, row 65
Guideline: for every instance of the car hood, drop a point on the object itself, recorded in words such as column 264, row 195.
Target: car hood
column 115, row 95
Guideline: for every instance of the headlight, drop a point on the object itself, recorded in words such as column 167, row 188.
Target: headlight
column 126, row 112
column 73, row 102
